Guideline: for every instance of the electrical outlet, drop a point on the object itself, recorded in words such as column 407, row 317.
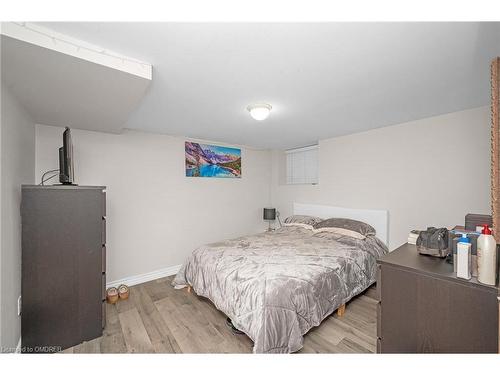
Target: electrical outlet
column 19, row 305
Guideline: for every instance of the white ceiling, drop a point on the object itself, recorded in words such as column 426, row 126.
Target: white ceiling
column 322, row 80
column 62, row 90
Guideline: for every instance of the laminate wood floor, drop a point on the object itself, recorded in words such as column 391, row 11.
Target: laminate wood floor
column 160, row 319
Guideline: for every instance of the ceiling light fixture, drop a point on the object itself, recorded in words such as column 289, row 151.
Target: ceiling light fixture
column 260, row 111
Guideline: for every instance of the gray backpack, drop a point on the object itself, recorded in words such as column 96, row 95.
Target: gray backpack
column 434, row 242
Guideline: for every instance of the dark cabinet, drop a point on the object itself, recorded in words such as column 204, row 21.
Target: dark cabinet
column 425, row 308
column 63, row 266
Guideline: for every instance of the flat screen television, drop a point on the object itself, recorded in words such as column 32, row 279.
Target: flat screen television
column 66, row 168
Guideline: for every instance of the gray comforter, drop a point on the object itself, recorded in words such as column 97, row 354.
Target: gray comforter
column 276, row 286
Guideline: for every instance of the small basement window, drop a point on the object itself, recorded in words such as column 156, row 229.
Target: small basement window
column 302, row 165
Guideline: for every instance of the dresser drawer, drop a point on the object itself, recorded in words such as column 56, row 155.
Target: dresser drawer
column 379, row 319
column 103, row 314
column 379, row 282
column 415, row 313
column 103, row 231
column 103, row 287
column 103, row 204
column 103, row 261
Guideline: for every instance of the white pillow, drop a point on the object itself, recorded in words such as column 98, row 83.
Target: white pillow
column 305, row 221
column 302, row 225
column 340, row 231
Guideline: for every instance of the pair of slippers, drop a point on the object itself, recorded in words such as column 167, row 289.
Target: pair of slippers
column 113, row 294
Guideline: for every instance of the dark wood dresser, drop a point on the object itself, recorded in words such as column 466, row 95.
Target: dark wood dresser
column 424, row 308
column 63, row 266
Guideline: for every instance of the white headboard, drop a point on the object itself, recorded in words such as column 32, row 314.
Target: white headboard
column 378, row 219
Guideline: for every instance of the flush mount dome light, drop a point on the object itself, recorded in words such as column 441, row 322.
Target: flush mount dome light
column 260, row 111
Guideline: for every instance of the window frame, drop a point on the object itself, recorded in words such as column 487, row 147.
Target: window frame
column 309, row 154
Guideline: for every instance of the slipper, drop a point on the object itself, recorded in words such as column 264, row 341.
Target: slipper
column 123, row 291
column 112, row 295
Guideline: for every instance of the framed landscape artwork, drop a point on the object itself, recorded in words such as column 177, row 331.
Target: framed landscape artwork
column 212, row 161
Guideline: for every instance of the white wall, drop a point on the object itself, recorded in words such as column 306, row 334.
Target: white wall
column 18, row 167
column 155, row 215
column 427, row 172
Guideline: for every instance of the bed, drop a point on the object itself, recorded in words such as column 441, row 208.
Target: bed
column 275, row 286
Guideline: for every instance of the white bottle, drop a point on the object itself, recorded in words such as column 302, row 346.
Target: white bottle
column 463, row 255
column 486, row 257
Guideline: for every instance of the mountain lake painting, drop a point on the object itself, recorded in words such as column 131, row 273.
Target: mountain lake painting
column 212, row 161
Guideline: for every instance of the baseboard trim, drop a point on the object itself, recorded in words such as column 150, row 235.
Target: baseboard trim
column 145, row 277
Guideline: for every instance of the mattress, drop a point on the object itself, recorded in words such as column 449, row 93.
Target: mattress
column 276, row 286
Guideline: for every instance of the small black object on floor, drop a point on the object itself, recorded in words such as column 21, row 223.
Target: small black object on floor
column 233, row 328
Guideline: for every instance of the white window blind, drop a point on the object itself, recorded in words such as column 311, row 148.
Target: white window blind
column 302, row 165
